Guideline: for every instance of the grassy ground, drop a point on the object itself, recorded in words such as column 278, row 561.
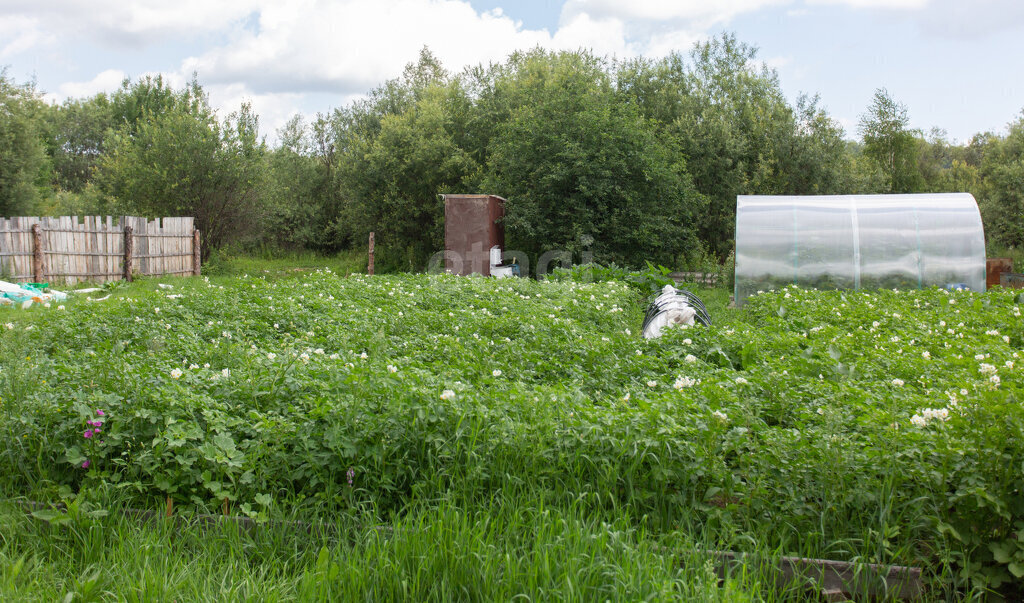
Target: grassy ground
column 437, row 553
column 517, row 439
column 278, row 264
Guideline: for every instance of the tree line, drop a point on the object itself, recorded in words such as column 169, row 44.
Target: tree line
column 635, row 160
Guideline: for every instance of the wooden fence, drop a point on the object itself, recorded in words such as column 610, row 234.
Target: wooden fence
column 96, row 249
column 709, row 279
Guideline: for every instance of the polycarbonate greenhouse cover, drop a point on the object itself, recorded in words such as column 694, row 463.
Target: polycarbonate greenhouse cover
column 858, row 242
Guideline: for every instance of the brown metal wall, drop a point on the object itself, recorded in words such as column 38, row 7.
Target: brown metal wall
column 994, row 267
column 471, row 228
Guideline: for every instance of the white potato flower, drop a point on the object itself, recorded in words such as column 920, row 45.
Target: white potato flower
column 682, row 382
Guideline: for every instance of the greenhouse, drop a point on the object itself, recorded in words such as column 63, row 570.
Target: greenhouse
column 858, row 242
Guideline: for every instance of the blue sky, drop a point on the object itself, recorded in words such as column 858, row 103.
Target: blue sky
column 955, row 65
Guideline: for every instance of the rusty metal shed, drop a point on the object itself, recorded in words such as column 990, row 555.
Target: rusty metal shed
column 472, row 225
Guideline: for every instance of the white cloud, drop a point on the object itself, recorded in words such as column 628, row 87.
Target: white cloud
column 273, row 109
column 352, row 45
column 662, row 43
column 19, row 33
column 698, row 13
column 958, row 19
column 948, row 18
column 105, row 81
column 604, row 36
column 778, row 62
column 134, row 22
column 884, row 4
column 656, row 28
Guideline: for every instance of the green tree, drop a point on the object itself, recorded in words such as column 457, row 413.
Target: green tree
column 24, row 167
column 141, row 101
column 734, row 131
column 738, row 134
column 818, row 161
column 890, row 145
column 298, row 183
column 576, row 165
column 183, row 161
column 77, row 131
column 395, row 152
column 393, row 181
column 1002, row 171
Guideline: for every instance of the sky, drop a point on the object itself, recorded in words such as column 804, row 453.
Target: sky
column 955, row 64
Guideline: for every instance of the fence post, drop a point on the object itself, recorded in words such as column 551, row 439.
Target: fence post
column 196, row 258
column 128, row 253
column 369, row 267
column 37, row 253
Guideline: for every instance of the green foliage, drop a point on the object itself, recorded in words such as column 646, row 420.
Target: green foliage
column 648, row 281
column 23, row 163
column 576, row 165
column 78, row 129
column 272, row 262
column 297, row 216
column 139, row 102
column 732, row 132
column 181, row 161
column 1002, row 170
column 818, row 161
column 739, row 135
column 889, row 144
column 400, row 154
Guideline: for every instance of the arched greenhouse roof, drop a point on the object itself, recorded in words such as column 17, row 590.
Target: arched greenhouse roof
column 858, row 242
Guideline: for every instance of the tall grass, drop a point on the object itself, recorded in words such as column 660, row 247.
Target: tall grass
column 525, row 551
column 281, row 263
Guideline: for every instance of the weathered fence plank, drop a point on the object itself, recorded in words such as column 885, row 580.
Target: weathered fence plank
column 62, row 249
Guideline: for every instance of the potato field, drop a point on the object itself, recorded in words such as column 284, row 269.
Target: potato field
column 882, row 427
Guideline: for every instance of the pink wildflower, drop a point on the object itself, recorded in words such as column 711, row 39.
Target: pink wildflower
column 99, row 412
column 85, row 464
column 87, row 434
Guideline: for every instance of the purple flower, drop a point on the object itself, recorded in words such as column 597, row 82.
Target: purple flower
column 97, row 430
column 87, row 434
column 350, row 474
column 99, row 412
column 85, row 464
